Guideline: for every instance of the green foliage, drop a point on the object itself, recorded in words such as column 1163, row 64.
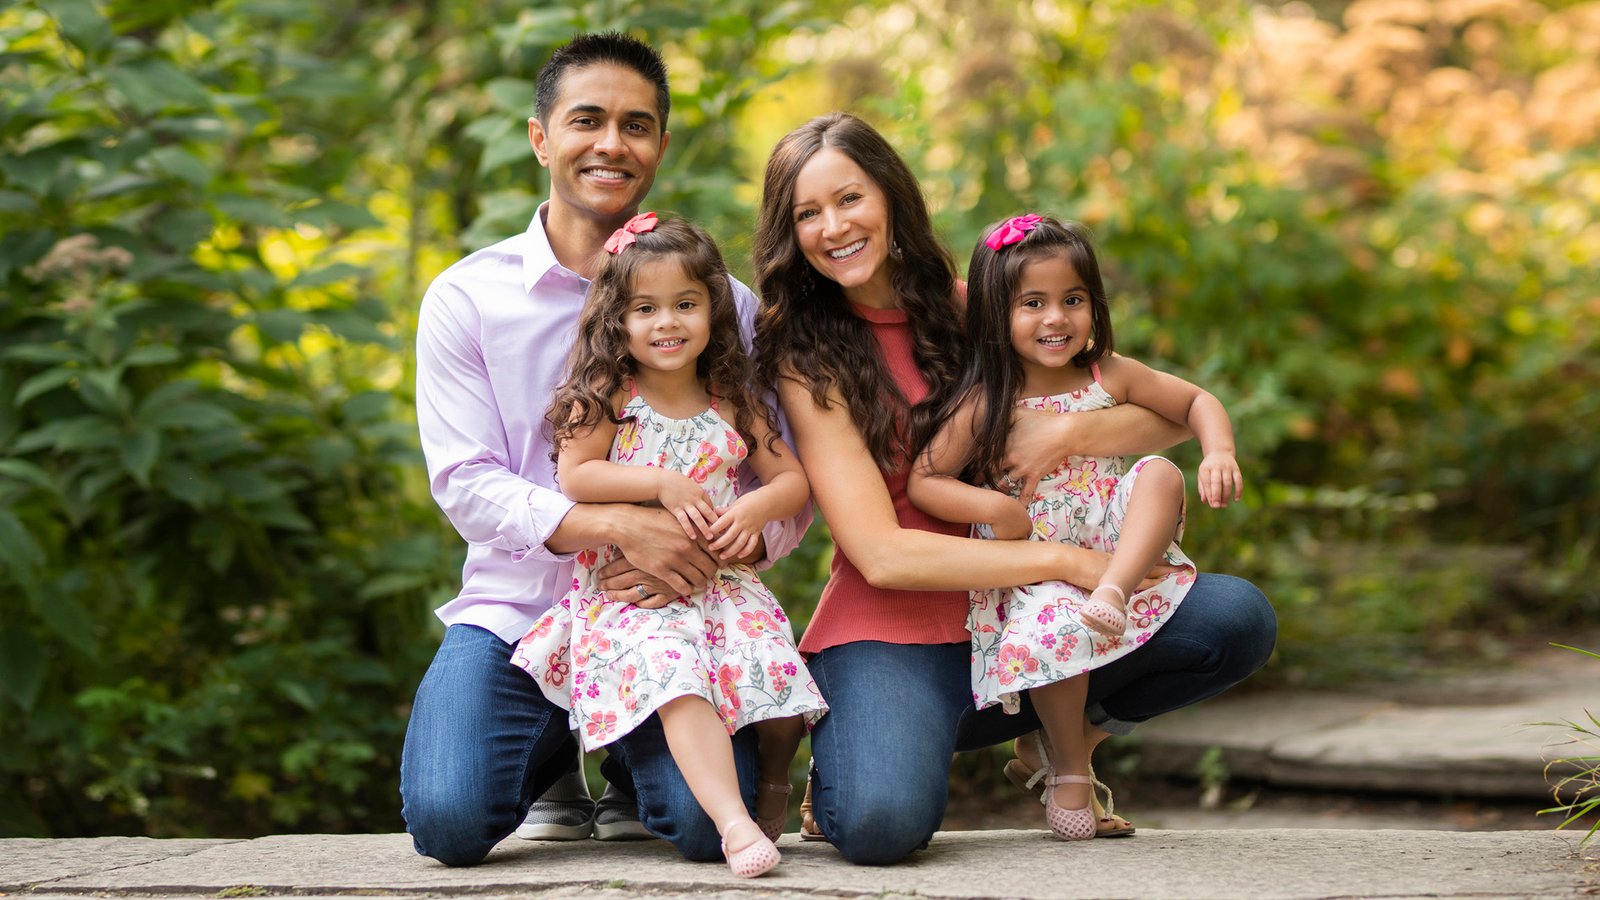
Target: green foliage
column 1575, row 774
column 217, row 553
column 216, row 560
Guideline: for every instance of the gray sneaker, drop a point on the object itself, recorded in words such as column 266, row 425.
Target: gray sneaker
column 616, row 817
column 564, row 813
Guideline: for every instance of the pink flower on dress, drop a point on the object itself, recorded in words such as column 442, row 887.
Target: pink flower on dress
column 736, row 447
column 1043, row 528
column 716, row 634
column 756, row 624
column 625, row 692
column 540, row 628
column 1143, row 636
column 728, row 676
column 587, row 557
column 779, row 683
column 790, row 669
column 1015, row 660
column 1069, row 643
column 1046, row 615
column 1047, row 640
column 1147, row 610
column 601, row 724
column 706, row 461
column 593, row 690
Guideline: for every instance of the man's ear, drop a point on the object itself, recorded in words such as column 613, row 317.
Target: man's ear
column 665, row 137
column 536, row 139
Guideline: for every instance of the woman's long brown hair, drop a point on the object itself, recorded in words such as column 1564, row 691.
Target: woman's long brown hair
column 599, row 364
column 805, row 328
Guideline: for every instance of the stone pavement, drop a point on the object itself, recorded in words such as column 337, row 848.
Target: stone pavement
column 1453, row 734
column 1288, row 864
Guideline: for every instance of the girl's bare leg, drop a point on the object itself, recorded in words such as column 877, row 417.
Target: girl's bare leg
column 1060, row 708
column 704, row 754
column 1147, row 529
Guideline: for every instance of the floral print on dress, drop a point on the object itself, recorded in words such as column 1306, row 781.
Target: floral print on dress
column 1030, row 636
column 612, row 664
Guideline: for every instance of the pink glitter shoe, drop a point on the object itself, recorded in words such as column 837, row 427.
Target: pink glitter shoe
column 1068, row 824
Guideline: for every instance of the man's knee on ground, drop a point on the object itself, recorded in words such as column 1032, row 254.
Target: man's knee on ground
column 449, row 832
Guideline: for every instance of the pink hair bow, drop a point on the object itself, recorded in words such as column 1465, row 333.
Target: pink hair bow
column 623, row 237
column 1012, row 230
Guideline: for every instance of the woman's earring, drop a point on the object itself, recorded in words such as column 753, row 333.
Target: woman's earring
column 894, row 250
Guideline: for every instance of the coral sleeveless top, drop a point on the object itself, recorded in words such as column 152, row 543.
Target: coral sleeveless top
column 850, row 608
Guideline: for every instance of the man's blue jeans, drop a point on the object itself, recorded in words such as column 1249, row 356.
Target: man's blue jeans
column 897, row 712
column 483, row 742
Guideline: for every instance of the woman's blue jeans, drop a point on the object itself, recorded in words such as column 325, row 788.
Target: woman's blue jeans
column 898, row 711
column 483, row 742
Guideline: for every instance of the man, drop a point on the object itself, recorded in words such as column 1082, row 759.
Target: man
column 492, row 335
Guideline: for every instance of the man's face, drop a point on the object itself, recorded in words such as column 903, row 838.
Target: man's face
column 602, row 142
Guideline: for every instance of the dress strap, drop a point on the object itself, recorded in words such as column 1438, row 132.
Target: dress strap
column 712, row 390
column 1094, row 369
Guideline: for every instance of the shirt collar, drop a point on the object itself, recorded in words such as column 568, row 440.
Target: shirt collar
column 539, row 261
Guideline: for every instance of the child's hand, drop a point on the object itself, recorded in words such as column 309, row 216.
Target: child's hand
column 1220, row 480
column 737, row 531
column 1010, row 520
column 688, row 502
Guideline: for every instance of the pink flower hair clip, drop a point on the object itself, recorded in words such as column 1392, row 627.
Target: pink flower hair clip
column 623, row 237
column 1012, row 230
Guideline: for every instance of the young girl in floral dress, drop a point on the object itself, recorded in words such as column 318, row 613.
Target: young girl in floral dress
column 659, row 406
column 1039, row 329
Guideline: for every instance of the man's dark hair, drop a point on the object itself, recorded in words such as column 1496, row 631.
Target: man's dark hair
column 611, row 47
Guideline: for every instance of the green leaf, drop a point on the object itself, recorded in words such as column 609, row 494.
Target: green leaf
column 253, row 211
column 187, row 484
column 391, row 583
column 504, row 150
column 44, row 382
column 22, row 667
column 17, row 202
column 514, row 95
column 282, row 325
column 81, row 23
column 27, row 473
column 154, row 84
column 67, row 618
column 183, row 165
column 139, row 455
column 190, row 414
column 367, row 406
column 350, row 326
column 45, row 353
column 298, row 694
column 17, row 546
column 152, row 355
column 341, row 215
column 330, row 274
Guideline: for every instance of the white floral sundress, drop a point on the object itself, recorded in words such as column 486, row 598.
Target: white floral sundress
column 612, row 664
column 1029, row 636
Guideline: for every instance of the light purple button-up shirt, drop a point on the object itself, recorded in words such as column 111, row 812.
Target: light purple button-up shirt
column 492, row 340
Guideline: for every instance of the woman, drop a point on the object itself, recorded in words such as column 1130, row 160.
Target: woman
column 859, row 329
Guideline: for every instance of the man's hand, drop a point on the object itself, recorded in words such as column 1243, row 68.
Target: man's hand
column 660, row 563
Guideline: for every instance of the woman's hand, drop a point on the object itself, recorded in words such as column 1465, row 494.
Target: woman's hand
column 688, row 502
column 1034, row 449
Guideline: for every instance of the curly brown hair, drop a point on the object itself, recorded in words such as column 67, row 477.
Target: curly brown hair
column 804, row 328
column 599, row 364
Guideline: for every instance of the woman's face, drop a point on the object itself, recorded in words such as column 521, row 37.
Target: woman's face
column 841, row 221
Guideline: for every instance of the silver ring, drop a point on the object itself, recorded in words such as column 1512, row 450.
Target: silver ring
column 1009, row 482
column 643, row 594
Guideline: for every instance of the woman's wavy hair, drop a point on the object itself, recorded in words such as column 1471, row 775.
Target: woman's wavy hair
column 991, row 373
column 804, row 327
column 600, row 365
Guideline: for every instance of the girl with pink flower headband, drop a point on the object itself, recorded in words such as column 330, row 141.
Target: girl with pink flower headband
column 659, row 405
column 1039, row 336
